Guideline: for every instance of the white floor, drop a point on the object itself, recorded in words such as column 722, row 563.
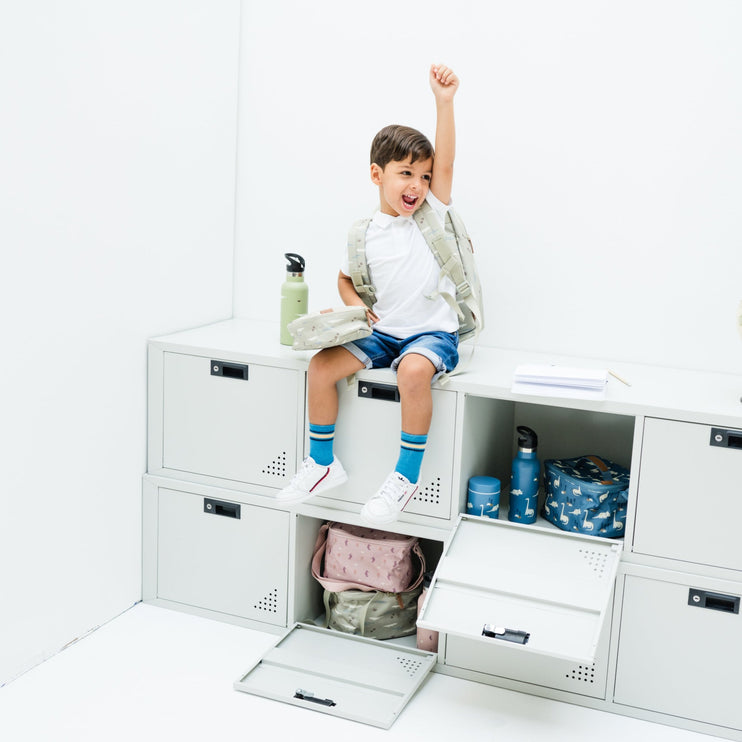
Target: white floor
column 156, row 674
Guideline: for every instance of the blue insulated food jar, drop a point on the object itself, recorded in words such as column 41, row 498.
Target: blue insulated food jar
column 483, row 497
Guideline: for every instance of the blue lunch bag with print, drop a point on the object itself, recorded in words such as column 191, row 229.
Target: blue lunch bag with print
column 587, row 494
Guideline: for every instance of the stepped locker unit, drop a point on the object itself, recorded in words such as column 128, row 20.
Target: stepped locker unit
column 647, row 625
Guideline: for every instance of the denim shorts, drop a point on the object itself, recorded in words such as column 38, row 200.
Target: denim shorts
column 384, row 351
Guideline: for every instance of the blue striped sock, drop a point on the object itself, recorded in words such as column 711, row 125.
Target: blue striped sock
column 411, row 453
column 321, row 438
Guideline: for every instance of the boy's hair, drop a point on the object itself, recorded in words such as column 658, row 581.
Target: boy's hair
column 395, row 142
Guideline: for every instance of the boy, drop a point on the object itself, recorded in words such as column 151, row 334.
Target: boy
column 414, row 329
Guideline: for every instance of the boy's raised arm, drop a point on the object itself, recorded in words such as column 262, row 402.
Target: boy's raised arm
column 444, row 84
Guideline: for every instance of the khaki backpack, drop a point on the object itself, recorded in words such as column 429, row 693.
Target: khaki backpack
column 452, row 248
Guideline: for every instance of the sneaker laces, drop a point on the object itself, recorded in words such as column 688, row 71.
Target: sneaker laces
column 391, row 490
column 304, row 469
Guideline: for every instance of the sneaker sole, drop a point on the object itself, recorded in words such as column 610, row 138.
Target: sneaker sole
column 377, row 521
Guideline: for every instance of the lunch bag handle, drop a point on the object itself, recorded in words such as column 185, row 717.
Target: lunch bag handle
column 586, row 462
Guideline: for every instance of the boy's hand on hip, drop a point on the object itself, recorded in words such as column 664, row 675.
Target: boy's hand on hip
column 443, row 82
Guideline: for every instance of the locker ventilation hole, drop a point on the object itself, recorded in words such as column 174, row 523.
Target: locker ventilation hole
column 277, row 467
column 430, row 494
column 582, row 674
column 269, row 603
column 410, row 666
column 595, row 561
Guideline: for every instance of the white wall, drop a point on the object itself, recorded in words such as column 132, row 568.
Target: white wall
column 599, row 170
column 599, row 164
column 117, row 178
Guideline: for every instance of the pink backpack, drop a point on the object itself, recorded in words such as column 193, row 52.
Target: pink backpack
column 359, row 558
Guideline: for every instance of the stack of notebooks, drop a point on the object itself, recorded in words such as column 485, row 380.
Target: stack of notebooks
column 560, row 381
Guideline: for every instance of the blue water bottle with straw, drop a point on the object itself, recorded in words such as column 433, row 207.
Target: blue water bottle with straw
column 524, row 478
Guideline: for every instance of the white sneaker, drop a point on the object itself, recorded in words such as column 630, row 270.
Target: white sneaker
column 386, row 504
column 311, row 479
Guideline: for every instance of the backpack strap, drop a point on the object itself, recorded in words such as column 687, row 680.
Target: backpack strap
column 441, row 242
column 357, row 264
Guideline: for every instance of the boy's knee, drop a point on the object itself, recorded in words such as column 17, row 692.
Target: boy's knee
column 415, row 370
column 321, row 366
column 331, row 365
column 318, row 361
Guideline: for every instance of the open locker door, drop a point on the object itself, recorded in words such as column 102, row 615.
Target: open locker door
column 352, row 677
column 545, row 591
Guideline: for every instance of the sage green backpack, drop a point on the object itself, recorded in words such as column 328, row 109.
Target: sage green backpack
column 452, row 248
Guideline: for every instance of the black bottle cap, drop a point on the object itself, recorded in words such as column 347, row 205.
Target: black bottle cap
column 295, row 263
column 527, row 438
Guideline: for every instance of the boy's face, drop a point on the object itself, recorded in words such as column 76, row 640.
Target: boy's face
column 403, row 185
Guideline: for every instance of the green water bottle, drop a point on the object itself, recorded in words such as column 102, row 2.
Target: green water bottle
column 294, row 295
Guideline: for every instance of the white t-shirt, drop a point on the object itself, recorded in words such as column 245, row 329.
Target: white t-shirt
column 405, row 275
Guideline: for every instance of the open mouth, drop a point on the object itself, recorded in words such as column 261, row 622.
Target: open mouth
column 409, row 201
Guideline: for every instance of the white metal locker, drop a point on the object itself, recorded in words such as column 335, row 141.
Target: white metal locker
column 230, row 420
column 367, row 440
column 679, row 648
column 223, row 556
column 689, row 485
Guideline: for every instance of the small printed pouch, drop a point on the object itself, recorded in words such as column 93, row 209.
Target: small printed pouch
column 362, row 558
column 329, row 328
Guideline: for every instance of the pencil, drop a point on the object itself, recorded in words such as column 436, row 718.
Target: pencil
column 616, row 376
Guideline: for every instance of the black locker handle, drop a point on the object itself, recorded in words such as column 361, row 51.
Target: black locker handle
column 307, row 695
column 230, row 370
column 726, row 438
column 509, row 635
column 713, row 601
column 220, row 507
column 374, row 390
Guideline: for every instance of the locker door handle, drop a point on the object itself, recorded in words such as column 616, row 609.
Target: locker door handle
column 373, row 390
column 713, row 601
column 230, row 370
column 509, row 635
column 219, row 507
column 726, row 438
column 307, row 695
